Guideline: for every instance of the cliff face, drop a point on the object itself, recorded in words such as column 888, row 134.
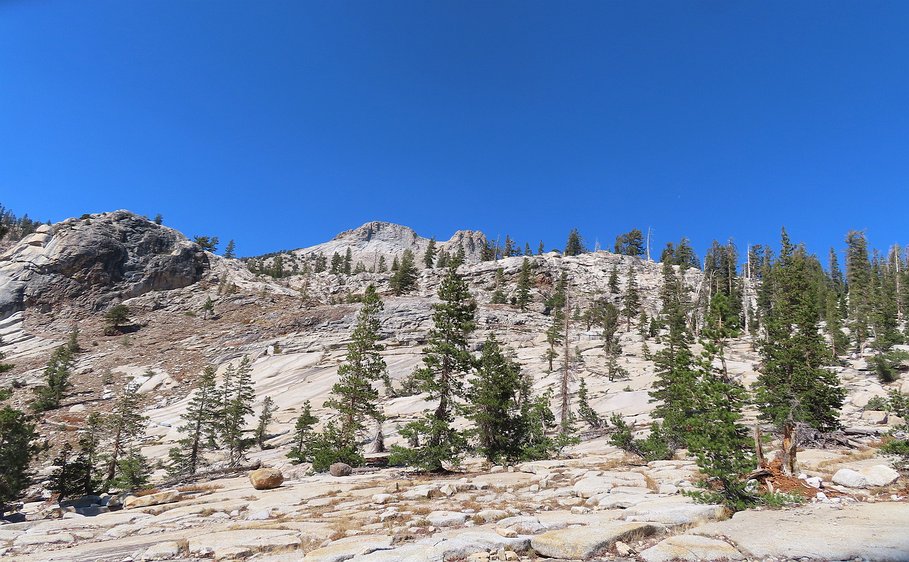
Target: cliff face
column 94, row 261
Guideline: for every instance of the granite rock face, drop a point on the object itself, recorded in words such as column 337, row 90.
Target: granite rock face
column 96, row 261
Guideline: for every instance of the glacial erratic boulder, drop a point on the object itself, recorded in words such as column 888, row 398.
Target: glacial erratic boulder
column 266, row 478
column 339, row 469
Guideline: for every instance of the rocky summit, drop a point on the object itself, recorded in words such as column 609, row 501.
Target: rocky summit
column 153, row 325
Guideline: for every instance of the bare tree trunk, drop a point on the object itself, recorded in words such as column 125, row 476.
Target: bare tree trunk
column 758, row 446
column 789, row 449
column 566, row 413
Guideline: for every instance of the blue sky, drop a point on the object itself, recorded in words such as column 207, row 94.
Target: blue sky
column 281, row 123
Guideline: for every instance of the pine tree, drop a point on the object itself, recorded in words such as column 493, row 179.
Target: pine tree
column 585, row 412
column 554, row 337
column 718, row 441
column 199, row 422
column 4, row 367
column 265, row 417
column 495, row 404
column 632, row 300
column 337, row 263
column 540, row 249
column 404, row 278
column 348, row 262
column 303, row 431
column 354, row 396
column 230, row 249
column 56, row 381
column 17, row 449
column 674, row 386
column 858, row 273
column 793, row 386
column 527, row 250
column 498, row 294
column 70, row 473
column 613, row 282
column 382, row 267
column 429, row 257
column 126, row 425
column 237, row 395
column 116, row 317
column 575, row 245
column 446, row 363
column 523, row 292
column 630, row 244
column 90, row 440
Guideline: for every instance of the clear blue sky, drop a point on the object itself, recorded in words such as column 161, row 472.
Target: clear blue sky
column 281, row 123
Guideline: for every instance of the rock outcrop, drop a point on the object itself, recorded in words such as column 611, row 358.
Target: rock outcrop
column 95, row 261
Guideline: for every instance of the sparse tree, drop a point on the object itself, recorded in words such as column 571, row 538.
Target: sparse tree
column 354, row 397
column 524, row 283
column 574, row 246
column 265, row 417
column 199, row 422
column 229, row 251
column 126, row 425
column 630, row 244
column 303, row 431
column 116, row 318
column 207, row 243
column 429, row 257
column 237, row 395
column 56, row 381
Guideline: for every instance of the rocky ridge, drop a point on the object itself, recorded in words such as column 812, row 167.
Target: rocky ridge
column 597, row 502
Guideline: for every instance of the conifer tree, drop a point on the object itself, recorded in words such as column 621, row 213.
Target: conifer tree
column 354, row 396
column 718, row 441
column 495, row 404
column 676, row 376
column 229, row 251
column 265, row 417
column 56, row 381
column 126, row 425
column 303, row 431
column 199, row 422
column 337, row 263
column 446, row 363
column 404, row 278
column 116, row 317
column 614, row 280
column 70, row 473
column 348, row 262
column 793, row 386
column 429, row 257
column 527, row 250
column 523, row 292
column 554, row 337
column 632, row 300
column 858, row 273
column 585, row 411
column 17, row 448
column 540, row 249
column 498, row 294
column 382, row 267
column 630, row 244
column 90, row 440
column 4, row 367
column 574, row 246
column 237, row 395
